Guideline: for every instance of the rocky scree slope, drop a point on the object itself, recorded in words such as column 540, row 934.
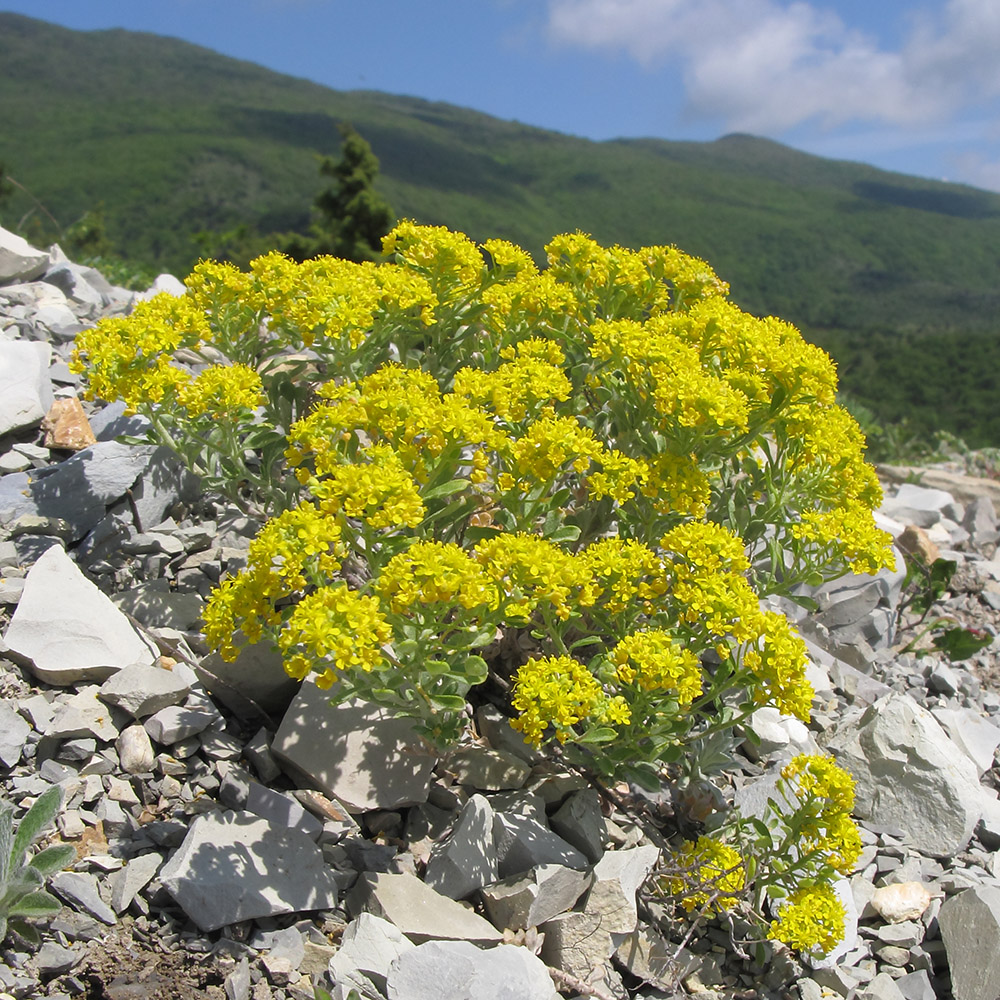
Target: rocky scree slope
column 237, row 838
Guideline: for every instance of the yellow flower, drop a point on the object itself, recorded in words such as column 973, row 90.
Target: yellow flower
column 432, row 572
column 334, row 627
column 711, row 876
column 560, row 691
column 811, row 919
column 656, row 662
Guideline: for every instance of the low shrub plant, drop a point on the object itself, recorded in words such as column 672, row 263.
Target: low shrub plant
column 571, row 488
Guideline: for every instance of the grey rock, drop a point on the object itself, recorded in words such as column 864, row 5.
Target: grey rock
column 461, row 971
column 529, row 900
column 972, row 733
column 238, row 866
column 258, row 752
column 417, row 910
column 650, row 958
column 282, row 810
column 496, row 729
column 19, row 260
column 577, row 943
column 523, row 843
column 882, row 987
column 179, row 722
column 617, row 877
column 143, row 689
column 132, row 878
column 465, row 860
column 80, row 891
column 13, row 735
column 78, row 490
column 237, row 984
column 369, row 946
column 254, row 682
column 909, row 774
column 580, row 822
column 916, row 986
column 25, row 387
column 83, row 714
column 55, row 960
column 68, row 629
column 159, row 607
column 485, row 769
column 352, row 752
column 970, row 928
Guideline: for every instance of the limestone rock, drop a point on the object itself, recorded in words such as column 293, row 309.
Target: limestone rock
column 235, row 866
column 143, row 689
column 19, row 260
column 617, row 877
column 900, row 901
column 459, row 970
column 25, row 389
column 529, row 900
column 910, row 775
column 369, row 945
column 523, row 842
column 466, row 859
column 970, row 928
column 352, row 752
column 417, row 910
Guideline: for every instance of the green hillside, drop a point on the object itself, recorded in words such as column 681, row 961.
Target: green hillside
column 897, row 276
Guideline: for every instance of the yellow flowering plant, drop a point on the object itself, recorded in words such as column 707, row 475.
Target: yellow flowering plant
column 575, row 482
column 789, row 859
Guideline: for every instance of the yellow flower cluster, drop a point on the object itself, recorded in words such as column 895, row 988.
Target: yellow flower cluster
column 826, row 792
column 656, row 662
column 561, row 692
column 711, row 876
column 220, row 389
column 812, row 919
column 334, row 627
column 531, row 572
column 436, row 573
column 376, row 487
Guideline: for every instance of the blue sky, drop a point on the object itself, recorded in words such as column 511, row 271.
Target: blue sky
column 913, row 87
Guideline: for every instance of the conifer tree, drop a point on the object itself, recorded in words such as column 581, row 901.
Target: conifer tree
column 352, row 216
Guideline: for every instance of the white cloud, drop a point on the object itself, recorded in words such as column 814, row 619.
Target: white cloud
column 769, row 65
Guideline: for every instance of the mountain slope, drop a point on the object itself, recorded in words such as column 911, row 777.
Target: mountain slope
column 171, row 139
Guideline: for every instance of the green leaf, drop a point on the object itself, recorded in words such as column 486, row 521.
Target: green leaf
column 475, row 671
column 36, row 904
column 6, row 839
column 447, row 702
column 52, row 859
column 961, row 643
column 446, row 489
column 42, row 812
column 24, row 930
column 598, row 734
column 567, row 533
column 436, row 668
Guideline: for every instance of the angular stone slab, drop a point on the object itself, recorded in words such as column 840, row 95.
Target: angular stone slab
column 908, row 774
column 466, row 859
column 461, row 971
column 68, row 629
column 82, row 716
column 970, row 928
column 529, row 900
column 78, row 490
column 25, row 387
column 19, row 260
column 143, row 689
column 352, row 752
column 235, row 866
column 522, row 843
column 369, row 945
column 417, row 910
column 617, row 877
